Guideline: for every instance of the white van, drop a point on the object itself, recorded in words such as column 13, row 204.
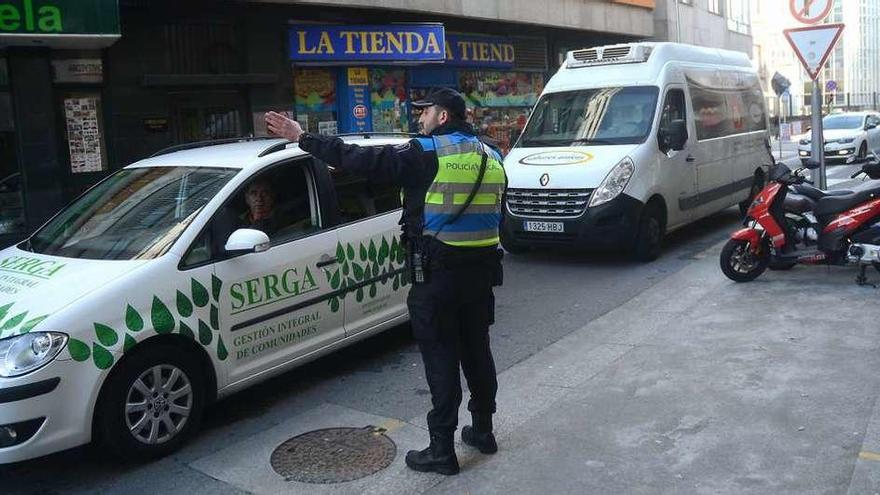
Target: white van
column 631, row 141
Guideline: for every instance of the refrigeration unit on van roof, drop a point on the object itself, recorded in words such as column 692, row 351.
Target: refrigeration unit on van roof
column 657, row 53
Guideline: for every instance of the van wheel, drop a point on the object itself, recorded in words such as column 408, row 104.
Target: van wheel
column 512, row 246
column 757, row 185
column 649, row 235
column 151, row 404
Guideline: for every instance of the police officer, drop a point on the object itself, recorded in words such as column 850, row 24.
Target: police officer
column 452, row 189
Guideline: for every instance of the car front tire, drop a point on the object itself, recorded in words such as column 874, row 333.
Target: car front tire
column 151, row 404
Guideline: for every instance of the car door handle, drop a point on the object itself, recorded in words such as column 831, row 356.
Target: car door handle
column 690, row 159
column 327, row 260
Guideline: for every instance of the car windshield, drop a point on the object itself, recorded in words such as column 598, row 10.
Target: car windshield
column 842, row 122
column 617, row 115
column 136, row 213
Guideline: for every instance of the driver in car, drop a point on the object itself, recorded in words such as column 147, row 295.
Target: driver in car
column 260, row 215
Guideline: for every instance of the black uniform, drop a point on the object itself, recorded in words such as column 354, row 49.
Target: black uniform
column 450, row 314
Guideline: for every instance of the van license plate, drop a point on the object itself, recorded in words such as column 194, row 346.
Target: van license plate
column 545, row 227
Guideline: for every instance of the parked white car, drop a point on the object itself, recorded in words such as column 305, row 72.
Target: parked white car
column 848, row 136
column 148, row 297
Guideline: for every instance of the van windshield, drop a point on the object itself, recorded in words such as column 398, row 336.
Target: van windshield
column 616, row 115
column 136, row 213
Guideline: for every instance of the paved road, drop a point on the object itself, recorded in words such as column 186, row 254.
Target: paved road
column 546, row 297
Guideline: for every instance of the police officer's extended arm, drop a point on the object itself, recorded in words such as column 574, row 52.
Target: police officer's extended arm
column 405, row 165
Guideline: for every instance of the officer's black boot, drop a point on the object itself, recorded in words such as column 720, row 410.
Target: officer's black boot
column 439, row 457
column 480, row 434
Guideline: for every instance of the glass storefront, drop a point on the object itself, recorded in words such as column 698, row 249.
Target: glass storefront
column 315, row 99
column 388, row 100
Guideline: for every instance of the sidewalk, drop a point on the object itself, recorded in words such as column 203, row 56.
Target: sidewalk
column 698, row 385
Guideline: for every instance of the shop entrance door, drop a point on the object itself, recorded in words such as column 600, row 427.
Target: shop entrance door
column 208, row 115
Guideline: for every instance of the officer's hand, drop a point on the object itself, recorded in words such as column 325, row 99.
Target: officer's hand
column 282, row 126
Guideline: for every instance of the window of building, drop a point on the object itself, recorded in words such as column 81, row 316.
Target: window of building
column 738, row 16
column 388, row 98
column 11, row 200
column 715, row 6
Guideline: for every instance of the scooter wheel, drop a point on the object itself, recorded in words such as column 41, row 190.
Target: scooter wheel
column 741, row 265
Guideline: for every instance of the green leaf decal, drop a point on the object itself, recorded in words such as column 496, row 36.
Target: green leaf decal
column 373, row 290
column 222, row 353
column 133, row 319
column 334, row 304
column 363, row 252
column 14, row 321
column 216, row 285
column 106, row 335
column 358, row 271
column 205, row 335
column 350, row 251
column 184, row 306
column 359, row 295
column 163, row 320
column 396, row 283
column 128, row 343
column 345, row 269
column 4, row 310
column 372, row 251
column 401, row 253
column 102, row 357
column 78, row 350
column 340, row 253
column 394, row 247
column 199, row 294
column 186, row 331
column 334, row 281
column 383, row 250
column 215, row 317
column 376, row 270
column 27, row 327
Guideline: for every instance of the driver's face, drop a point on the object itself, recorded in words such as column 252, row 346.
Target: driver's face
column 260, row 198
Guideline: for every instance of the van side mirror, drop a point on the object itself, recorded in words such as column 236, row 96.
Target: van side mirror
column 673, row 137
column 245, row 241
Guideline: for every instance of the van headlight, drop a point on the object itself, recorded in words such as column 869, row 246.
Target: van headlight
column 22, row 354
column 614, row 183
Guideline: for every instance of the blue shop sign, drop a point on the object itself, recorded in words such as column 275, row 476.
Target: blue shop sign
column 479, row 51
column 391, row 43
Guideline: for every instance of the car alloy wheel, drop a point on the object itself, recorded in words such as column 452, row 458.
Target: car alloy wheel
column 158, row 404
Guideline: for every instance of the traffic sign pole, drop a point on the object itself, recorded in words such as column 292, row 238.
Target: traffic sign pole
column 818, row 144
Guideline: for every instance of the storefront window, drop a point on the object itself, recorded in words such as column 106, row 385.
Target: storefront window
column 388, row 98
column 315, row 99
column 500, row 102
column 11, row 200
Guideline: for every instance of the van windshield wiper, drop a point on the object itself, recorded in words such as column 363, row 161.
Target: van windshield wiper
column 566, row 141
column 593, row 141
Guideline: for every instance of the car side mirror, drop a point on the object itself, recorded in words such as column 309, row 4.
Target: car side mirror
column 673, row 137
column 868, row 127
column 245, row 241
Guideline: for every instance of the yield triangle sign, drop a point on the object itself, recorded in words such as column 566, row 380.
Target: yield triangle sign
column 813, row 45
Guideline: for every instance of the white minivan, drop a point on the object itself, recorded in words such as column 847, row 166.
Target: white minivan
column 183, row 278
column 631, row 141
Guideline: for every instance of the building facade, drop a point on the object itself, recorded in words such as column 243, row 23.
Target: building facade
column 103, row 83
column 712, row 23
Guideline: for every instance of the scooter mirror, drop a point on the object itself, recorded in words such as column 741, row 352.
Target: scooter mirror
column 812, row 164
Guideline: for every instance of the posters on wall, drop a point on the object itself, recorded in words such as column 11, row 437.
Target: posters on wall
column 500, row 89
column 327, row 128
column 388, row 100
column 81, row 115
column 315, row 90
column 260, row 122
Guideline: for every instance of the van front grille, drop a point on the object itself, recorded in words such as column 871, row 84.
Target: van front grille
column 558, row 203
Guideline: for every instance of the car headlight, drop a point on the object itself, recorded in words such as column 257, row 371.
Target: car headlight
column 613, row 183
column 846, row 140
column 22, row 354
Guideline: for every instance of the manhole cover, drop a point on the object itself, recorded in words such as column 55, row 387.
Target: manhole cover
column 334, row 455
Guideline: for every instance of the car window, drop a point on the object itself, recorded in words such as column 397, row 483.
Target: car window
column 136, row 213
column 359, row 198
column 279, row 201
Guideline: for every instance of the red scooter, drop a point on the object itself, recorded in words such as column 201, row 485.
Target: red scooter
column 791, row 222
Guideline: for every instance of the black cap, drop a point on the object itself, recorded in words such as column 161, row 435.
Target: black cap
column 447, row 98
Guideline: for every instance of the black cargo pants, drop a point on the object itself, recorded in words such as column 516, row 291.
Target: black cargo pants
column 450, row 317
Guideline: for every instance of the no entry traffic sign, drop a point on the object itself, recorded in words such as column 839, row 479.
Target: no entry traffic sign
column 810, row 11
column 813, row 45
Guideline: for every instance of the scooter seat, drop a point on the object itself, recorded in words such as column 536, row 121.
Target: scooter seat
column 816, row 194
column 831, row 205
